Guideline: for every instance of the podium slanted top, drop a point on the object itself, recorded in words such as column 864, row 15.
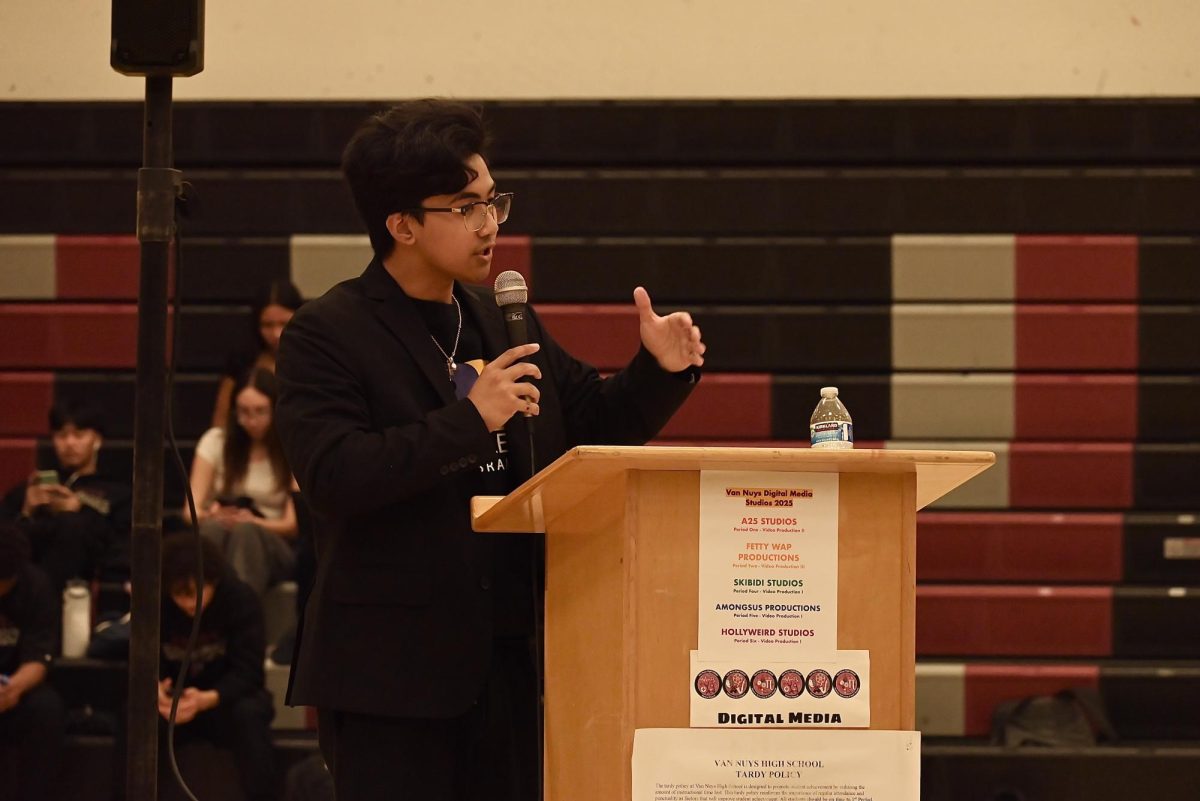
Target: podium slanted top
column 580, row 471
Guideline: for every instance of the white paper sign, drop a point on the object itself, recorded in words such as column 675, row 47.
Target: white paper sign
column 768, row 561
column 796, row 765
column 829, row 690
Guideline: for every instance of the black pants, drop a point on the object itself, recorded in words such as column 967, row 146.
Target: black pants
column 242, row 728
column 33, row 732
column 490, row 752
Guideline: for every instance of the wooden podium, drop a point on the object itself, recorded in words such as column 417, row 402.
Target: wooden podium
column 622, row 567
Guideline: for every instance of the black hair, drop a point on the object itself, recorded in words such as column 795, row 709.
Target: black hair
column 236, row 456
column 81, row 415
column 398, row 158
column 280, row 292
column 179, row 563
column 14, row 550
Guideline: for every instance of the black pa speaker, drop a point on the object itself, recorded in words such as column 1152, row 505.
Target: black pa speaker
column 157, row 37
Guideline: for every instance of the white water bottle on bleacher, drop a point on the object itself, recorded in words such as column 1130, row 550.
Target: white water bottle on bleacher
column 77, row 616
column 830, row 426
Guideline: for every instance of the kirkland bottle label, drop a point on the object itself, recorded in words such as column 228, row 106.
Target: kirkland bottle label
column 832, row 432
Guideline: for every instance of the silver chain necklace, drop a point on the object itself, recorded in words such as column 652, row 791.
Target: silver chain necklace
column 451, row 367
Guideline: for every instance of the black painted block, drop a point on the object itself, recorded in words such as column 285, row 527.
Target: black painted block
column 229, row 270
column 868, row 398
column 993, row 773
column 1156, row 622
column 1168, row 408
column 789, row 339
column 1159, row 701
column 683, row 271
column 1169, row 338
column 1169, row 269
column 113, row 394
column 1162, row 549
column 1166, row 477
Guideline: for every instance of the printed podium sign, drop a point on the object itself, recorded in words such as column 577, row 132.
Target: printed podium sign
column 768, row 562
column 797, row 765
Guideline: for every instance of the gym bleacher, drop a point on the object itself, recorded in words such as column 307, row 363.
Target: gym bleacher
column 1015, row 276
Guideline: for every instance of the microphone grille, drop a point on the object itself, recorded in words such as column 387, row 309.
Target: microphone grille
column 510, row 288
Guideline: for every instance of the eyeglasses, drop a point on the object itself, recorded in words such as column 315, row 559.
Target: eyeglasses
column 474, row 215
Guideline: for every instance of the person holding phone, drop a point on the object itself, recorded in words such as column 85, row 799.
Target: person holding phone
column 242, row 487
column 76, row 519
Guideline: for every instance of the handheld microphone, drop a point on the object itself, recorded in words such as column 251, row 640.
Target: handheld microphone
column 511, row 297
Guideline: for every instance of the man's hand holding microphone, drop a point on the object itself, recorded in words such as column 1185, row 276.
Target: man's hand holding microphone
column 504, row 389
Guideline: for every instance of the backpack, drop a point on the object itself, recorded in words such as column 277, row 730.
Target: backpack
column 1068, row 719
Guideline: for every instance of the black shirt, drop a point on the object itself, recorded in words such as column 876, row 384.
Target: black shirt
column 516, row 558
column 28, row 621
column 495, row 476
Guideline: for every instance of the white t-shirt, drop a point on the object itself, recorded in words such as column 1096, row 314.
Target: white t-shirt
column 258, row 483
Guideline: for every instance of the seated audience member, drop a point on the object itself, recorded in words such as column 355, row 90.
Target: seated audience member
column 31, row 713
column 77, row 520
column 242, row 487
column 271, row 313
column 224, row 701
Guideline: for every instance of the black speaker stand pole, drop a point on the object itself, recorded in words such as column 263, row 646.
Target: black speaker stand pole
column 158, row 187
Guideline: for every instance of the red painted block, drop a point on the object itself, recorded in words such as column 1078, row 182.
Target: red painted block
column 97, row 267
column 1082, row 407
column 18, row 458
column 1077, row 337
column 57, row 335
column 1070, row 475
column 1008, row 546
column 25, row 399
column 605, row 336
column 737, row 406
column 1014, row 621
column 514, row 253
column 1077, row 268
column 989, row 685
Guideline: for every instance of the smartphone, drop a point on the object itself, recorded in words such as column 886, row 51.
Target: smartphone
column 47, row 477
column 240, row 502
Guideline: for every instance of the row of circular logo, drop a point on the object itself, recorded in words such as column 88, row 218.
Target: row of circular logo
column 790, row 683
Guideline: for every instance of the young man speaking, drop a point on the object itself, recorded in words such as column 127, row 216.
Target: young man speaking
column 399, row 400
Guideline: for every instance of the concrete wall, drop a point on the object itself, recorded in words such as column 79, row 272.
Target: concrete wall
column 351, row 49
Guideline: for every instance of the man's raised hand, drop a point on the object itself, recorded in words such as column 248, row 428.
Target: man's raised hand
column 674, row 341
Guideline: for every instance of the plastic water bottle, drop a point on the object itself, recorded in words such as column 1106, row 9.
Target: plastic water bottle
column 830, row 426
column 77, row 616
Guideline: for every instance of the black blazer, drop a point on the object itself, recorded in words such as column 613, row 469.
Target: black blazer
column 400, row 620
